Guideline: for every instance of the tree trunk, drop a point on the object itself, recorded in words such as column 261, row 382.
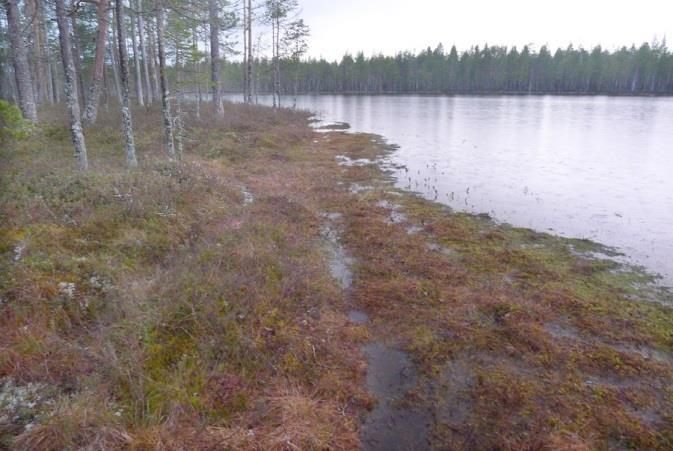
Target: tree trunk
column 215, row 56
column 70, row 86
column 152, row 59
column 91, row 110
column 78, row 62
column 33, row 11
column 143, row 51
column 136, row 65
column 249, row 61
column 113, row 60
column 50, row 76
column 276, row 69
column 165, row 101
column 44, row 51
column 127, row 123
column 197, row 72
column 24, row 82
column 178, row 129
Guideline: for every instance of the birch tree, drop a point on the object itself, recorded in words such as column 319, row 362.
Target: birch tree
column 165, row 100
column 92, row 101
column 24, row 80
column 247, row 50
column 214, row 21
column 127, row 123
column 70, row 86
column 143, row 51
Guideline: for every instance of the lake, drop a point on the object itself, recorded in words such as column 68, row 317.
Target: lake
column 599, row 168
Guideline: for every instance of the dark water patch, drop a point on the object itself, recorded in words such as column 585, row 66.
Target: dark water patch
column 646, row 352
column 340, row 263
column 434, row 247
column 565, row 331
column 358, row 317
column 562, row 331
column 392, row 425
column 335, row 126
column 453, row 401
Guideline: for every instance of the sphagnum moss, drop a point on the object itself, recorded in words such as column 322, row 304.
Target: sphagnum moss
column 201, row 318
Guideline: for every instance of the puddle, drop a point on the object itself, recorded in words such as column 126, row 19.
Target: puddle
column 568, row 332
column 434, row 247
column 347, row 161
column 559, row 331
column 414, row 230
column 391, row 425
column 340, row 263
column 335, row 126
column 248, row 198
column 646, row 352
column 358, row 317
column 395, row 216
column 454, row 404
column 357, row 188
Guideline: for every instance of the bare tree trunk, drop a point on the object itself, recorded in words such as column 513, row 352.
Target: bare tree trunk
column 215, row 56
column 91, row 109
column 136, row 65
column 70, row 86
column 44, row 52
column 153, row 62
column 197, row 72
column 36, row 17
column 165, row 101
column 276, row 65
column 24, row 82
column 178, row 125
column 249, row 60
column 127, row 122
column 113, row 57
column 46, row 56
column 143, row 50
column 78, row 62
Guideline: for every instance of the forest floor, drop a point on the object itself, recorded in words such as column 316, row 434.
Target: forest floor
column 273, row 290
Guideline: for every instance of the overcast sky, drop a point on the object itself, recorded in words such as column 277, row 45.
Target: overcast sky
column 388, row 26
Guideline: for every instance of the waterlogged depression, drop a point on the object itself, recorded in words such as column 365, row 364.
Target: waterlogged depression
column 599, row 168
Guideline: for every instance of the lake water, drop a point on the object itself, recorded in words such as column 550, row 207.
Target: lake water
column 585, row 167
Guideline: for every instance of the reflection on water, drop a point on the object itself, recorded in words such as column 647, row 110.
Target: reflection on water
column 588, row 167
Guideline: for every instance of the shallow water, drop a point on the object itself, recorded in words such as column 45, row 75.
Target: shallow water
column 599, row 168
column 392, row 425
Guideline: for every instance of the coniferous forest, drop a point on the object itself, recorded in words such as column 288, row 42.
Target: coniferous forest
column 643, row 70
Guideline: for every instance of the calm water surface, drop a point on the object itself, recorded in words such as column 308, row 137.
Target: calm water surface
column 585, row 167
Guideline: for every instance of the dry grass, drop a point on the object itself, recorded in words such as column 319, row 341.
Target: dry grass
column 190, row 313
column 166, row 312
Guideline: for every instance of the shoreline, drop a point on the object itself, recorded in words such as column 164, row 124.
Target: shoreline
column 197, row 304
column 466, row 94
column 602, row 251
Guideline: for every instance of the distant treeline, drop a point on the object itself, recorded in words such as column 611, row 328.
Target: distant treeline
column 643, row 70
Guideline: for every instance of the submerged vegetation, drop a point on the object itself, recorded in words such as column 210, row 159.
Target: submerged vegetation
column 192, row 304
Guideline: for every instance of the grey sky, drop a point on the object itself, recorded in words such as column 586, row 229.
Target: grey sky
column 390, row 25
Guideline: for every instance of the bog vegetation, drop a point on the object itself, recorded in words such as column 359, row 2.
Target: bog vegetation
column 204, row 275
